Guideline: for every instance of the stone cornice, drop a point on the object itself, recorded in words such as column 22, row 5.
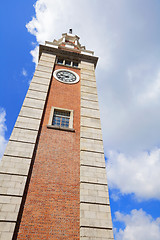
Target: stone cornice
column 68, row 54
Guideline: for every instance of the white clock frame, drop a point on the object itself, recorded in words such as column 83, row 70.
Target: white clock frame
column 62, row 69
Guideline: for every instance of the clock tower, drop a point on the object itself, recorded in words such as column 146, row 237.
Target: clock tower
column 53, row 177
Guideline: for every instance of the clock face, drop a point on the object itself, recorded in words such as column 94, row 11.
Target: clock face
column 66, row 76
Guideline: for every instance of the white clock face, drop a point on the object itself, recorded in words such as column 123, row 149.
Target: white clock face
column 66, row 76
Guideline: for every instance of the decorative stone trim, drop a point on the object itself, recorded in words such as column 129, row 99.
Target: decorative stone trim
column 15, row 164
column 95, row 213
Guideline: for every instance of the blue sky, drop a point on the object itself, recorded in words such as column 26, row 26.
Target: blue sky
column 125, row 35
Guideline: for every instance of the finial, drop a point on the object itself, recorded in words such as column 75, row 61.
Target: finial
column 70, row 30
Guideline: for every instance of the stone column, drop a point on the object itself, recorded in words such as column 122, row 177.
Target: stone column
column 18, row 157
column 95, row 215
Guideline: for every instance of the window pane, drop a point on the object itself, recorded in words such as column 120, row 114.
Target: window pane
column 67, row 124
column 61, row 113
column 56, row 123
column 75, row 64
column 61, row 118
column 68, row 63
column 60, row 61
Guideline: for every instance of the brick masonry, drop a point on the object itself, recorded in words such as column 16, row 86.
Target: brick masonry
column 53, row 197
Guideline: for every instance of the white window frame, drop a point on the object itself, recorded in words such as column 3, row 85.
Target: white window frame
column 61, row 109
column 64, row 60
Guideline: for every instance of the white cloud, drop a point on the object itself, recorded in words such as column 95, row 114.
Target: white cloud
column 34, row 54
column 126, row 37
column 54, row 17
column 138, row 174
column 138, row 225
column 24, row 72
column 3, row 128
column 130, row 115
column 152, row 93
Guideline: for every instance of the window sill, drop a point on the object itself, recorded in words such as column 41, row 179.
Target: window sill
column 61, row 128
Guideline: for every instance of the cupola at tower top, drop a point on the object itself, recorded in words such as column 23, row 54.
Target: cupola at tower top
column 70, row 42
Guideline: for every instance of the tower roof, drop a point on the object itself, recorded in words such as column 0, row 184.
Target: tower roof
column 68, row 45
column 71, row 42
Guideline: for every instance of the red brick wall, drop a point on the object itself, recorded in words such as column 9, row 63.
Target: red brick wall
column 52, row 206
